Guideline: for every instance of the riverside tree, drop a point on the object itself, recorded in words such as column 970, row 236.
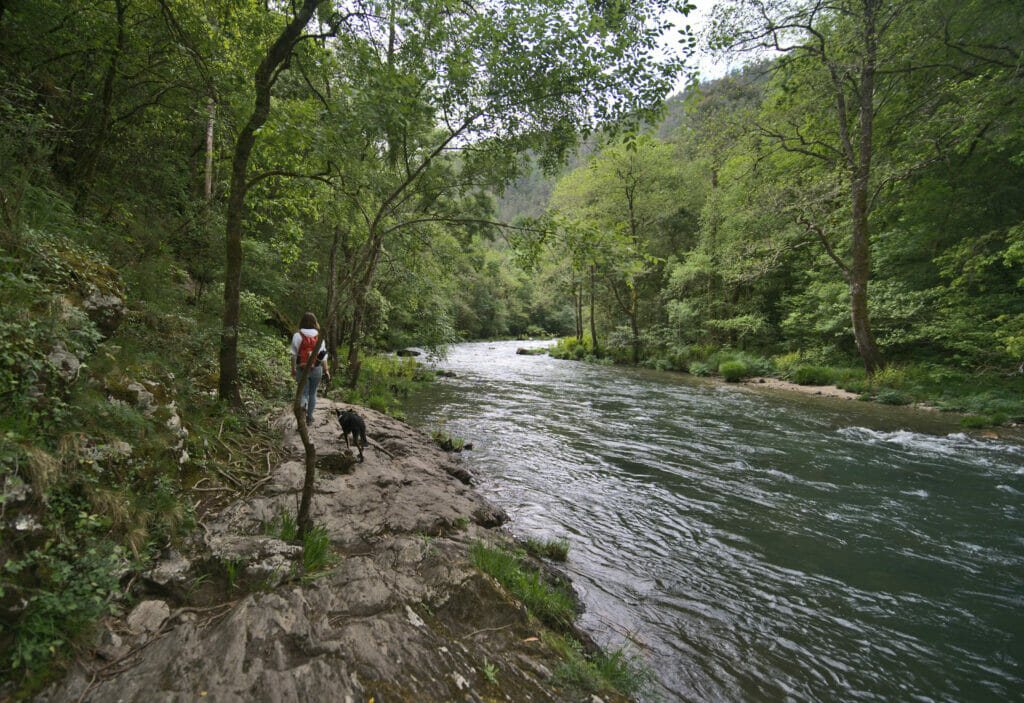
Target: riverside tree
column 852, row 108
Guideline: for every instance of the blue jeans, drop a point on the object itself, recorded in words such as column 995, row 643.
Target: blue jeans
column 309, row 392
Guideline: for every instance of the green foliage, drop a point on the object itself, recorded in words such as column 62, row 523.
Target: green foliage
column 489, row 672
column 554, row 549
column 572, row 348
column 813, row 375
column 77, row 579
column 976, row 421
column 317, row 554
column 699, row 368
column 552, row 604
column 446, row 442
column 891, row 396
column 385, row 380
column 593, row 673
column 732, row 370
column 283, row 526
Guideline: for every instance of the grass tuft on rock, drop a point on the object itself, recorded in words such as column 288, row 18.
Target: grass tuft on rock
column 551, row 604
column 554, row 549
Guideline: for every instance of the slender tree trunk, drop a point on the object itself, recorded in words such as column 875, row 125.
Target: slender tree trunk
column 634, row 321
column 593, row 323
column 305, row 523
column 266, row 75
column 577, row 298
column 861, row 252
column 359, row 312
column 211, row 114
column 87, row 170
column 332, row 295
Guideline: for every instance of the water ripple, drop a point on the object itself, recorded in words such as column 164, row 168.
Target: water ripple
column 753, row 547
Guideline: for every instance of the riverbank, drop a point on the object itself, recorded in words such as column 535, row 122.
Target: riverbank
column 981, row 399
column 779, row 384
column 402, row 615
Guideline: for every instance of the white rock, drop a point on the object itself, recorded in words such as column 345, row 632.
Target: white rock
column 414, row 619
column 148, row 616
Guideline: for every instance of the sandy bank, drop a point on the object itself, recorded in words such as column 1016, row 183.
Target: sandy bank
column 779, row 384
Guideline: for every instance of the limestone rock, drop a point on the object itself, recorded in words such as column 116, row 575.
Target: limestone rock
column 403, row 616
column 66, row 363
column 141, row 397
column 172, row 573
column 107, row 311
column 148, row 616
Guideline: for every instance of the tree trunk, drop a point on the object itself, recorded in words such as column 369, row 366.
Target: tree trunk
column 211, row 114
column 577, row 301
column 593, row 323
column 332, row 296
column 359, row 311
column 861, row 251
column 634, row 321
column 266, row 75
column 87, row 169
column 305, row 524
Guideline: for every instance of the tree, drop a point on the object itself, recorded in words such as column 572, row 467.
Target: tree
column 616, row 203
column 446, row 103
column 274, row 62
column 857, row 84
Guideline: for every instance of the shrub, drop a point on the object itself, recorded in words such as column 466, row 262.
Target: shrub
column 891, row 376
column 891, row 396
column 813, row 375
column 555, row 549
column 699, row 368
column 379, row 401
column 572, row 348
column 732, row 370
column 975, row 421
column 786, row 363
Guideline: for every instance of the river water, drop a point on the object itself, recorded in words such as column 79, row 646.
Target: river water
column 752, row 545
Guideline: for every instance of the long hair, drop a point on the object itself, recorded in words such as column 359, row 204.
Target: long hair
column 308, row 322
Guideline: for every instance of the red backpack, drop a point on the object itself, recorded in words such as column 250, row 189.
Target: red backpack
column 306, row 349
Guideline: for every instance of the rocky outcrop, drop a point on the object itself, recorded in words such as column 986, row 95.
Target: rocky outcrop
column 402, row 615
column 106, row 311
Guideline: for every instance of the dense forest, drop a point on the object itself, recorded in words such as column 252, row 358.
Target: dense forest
column 181, row 179
column 852, row 198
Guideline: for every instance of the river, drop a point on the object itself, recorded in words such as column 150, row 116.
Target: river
column 753, row 545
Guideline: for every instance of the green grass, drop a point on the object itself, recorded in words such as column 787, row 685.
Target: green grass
column 554, row 549
column 284, row 526
column 551, row 604
column 603, row 671
column 446, row 442
column 317, row 555
column 732, row 370
column 813, row 375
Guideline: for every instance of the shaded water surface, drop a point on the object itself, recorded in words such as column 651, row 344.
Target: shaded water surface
column 756, row 546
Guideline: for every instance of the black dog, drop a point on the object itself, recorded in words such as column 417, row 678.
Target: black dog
column 351, row 422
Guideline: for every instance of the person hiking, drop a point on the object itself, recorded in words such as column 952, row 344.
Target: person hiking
column 304, row 342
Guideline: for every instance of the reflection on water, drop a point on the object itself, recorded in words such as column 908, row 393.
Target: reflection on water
column 755, row 546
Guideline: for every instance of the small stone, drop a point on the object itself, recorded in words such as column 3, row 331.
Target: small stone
column 27, row 523
column 414, row 619
column 66, row 363
column 148, row 616
column 111, row 647
column 142, row 397
column 173, row 570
